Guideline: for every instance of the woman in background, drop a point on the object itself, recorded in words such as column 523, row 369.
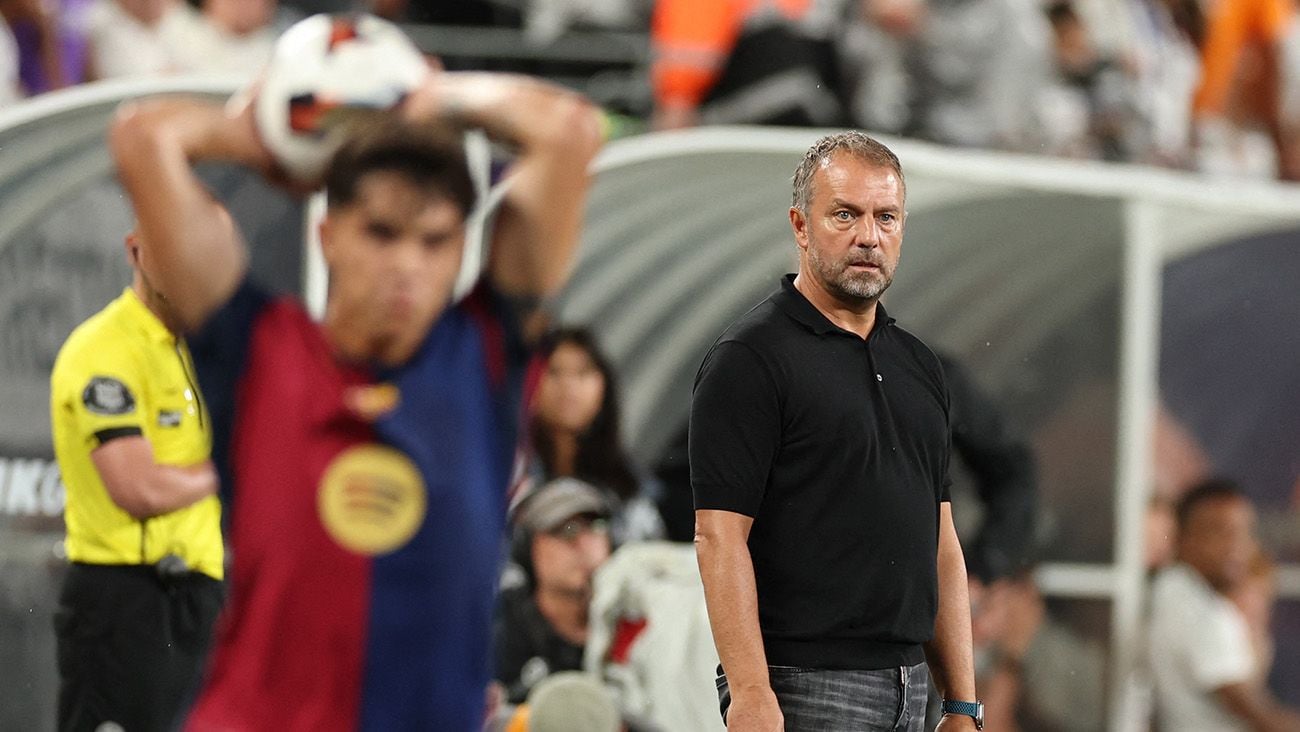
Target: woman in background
column 575, row 432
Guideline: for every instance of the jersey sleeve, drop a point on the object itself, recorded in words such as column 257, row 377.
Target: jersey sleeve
column 735, row 430
column 102, row 396
column 220, row 351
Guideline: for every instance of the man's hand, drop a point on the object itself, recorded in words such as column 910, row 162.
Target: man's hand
column 956, row 723
column 754, row 710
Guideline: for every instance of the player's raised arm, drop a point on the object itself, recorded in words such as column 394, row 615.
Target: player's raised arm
column 556, row 133
column 195, row 255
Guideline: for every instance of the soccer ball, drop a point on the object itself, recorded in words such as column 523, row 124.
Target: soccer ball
column 324, row 71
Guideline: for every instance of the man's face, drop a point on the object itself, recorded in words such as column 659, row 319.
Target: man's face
column 565, row 558
column 393, row 256
column 852, row 233
column 1219, row 541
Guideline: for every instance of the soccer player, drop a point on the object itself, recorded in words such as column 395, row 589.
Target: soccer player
column 364, row 459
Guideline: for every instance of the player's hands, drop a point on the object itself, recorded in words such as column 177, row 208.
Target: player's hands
column 428, row 100
column 459, row 98
column 754, row 710
column 253, row 152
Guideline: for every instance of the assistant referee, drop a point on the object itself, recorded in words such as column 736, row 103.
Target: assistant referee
column 143, row 521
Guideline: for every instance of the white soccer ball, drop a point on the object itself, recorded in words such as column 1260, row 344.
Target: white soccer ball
column 325, row 70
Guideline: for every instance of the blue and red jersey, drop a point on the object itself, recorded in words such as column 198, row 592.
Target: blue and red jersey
column 365, row 511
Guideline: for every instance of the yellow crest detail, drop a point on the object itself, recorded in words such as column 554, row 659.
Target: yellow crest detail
column 371, row 499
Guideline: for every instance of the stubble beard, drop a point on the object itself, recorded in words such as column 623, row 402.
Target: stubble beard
column 848, row 285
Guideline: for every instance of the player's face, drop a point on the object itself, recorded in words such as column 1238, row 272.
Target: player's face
column 571, row 389
column 393, row 256
column 851, row 236
column 1219, row 541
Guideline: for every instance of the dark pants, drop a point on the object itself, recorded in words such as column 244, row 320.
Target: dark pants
column 131, row 645
column 823, row 700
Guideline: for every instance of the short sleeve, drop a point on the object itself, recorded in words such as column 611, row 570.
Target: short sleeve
column 1219, row 653
column 102, row 396
column 735, row 429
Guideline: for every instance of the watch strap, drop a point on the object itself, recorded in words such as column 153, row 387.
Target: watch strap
column 964, row 708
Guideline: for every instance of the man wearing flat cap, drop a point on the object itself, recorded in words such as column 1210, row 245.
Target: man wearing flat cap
column 560, row 537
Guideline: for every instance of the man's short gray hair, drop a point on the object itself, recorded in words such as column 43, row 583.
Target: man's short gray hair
column 852, row 142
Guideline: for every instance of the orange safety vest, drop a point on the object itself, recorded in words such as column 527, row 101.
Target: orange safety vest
column 692, row 39
column 1234, row 28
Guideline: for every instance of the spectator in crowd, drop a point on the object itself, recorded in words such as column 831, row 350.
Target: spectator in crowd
column 1238, row 110
column 1091, row 81
column 227, row 36
column 970, row 72
column 149, row 37
column 1203, row 663
column 743, row 62
column 130, row 37
column 10, row 88
column 49, row 52
column 1165, row 65
column 133, row 439
column 560, row 537
column 576, row 431
column 1254, row 596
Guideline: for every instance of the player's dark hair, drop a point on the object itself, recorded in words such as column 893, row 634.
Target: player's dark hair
column 1211, row 489
column 601, row 459
column 430, row 156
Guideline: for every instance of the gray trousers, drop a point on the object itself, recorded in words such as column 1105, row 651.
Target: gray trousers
column 823, row 700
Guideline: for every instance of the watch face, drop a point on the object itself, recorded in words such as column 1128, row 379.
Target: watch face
column 979, row 715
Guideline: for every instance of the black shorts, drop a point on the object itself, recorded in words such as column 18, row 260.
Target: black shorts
column 131, row 645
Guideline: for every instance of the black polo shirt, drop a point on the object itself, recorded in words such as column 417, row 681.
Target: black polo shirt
column 838, row 448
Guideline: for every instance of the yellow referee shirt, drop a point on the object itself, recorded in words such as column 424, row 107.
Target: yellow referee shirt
column 123, row 373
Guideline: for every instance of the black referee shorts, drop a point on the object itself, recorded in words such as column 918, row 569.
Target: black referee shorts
column 131, row 645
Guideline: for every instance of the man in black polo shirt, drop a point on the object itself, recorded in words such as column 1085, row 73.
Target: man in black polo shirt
column 819, row 444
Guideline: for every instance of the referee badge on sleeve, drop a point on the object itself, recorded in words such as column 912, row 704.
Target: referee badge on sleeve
column 106, row 395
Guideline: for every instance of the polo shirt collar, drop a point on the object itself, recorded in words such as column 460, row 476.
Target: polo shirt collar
column 793, row 303
column 143, row 318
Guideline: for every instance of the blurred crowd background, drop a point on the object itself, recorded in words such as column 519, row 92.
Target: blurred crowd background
column 1211, row 85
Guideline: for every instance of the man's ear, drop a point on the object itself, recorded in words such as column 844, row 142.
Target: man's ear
column 799, row 225
column 132, row 244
